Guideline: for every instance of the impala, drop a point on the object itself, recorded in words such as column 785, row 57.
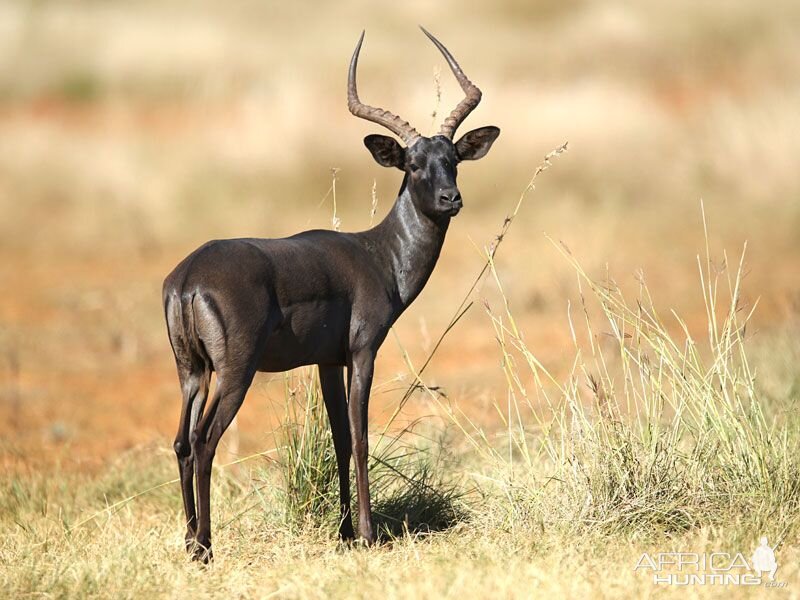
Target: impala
column 321, row 297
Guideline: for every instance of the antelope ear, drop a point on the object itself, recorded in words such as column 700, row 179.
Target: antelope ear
column 476, row 143
column 386, row 151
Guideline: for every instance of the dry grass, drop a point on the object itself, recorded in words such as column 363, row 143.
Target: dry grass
column 651, row 443
column 131, row 133
column 136, row 553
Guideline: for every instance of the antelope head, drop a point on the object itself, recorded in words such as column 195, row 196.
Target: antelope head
column 430, row 163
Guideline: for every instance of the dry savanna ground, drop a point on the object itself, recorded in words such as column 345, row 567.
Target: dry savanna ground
column 560, row 432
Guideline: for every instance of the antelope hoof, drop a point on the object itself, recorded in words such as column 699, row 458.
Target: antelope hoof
column 346, row 533
column 201, row 553
column 367, row 536
column 190, row 541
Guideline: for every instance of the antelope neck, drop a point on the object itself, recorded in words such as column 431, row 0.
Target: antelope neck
column 407, row 244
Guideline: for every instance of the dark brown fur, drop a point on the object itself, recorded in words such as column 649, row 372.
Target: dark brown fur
column 239, row 306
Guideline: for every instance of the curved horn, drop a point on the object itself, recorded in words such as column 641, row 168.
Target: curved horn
column 377, row 115
column 471, row 91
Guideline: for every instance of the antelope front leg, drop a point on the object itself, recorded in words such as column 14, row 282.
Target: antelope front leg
column 333, row 391
column 361, row 371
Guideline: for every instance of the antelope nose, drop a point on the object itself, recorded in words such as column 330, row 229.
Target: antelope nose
column 451, row 196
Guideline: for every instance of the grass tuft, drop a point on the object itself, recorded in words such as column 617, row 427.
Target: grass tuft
column 412, row 485
column 306, row 459
column 652, row 431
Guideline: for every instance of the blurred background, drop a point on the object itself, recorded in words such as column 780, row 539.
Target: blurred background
column 130, row 133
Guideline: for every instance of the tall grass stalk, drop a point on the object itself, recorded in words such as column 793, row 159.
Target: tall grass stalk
column 652, row 430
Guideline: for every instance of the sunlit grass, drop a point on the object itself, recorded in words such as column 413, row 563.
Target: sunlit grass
column 618, row 426
column 656, row 429
column 658, row 438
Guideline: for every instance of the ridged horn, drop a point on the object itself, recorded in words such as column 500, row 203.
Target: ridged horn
column 377, row 115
